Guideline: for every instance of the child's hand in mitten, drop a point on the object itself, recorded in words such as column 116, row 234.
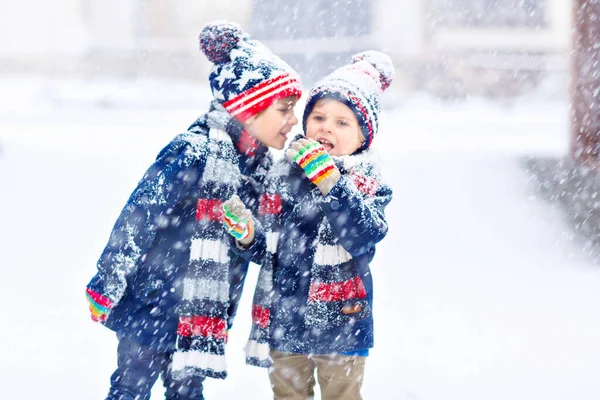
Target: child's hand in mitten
column 316, row 163
column 238, row 220
column 99, row 305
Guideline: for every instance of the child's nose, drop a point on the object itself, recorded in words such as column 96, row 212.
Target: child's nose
column 326, row 125
column 293, row 120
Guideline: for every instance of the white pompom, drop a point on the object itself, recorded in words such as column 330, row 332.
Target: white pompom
column 381, row 62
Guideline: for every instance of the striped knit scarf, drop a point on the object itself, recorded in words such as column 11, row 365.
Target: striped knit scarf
column 335, row 282
column 203, row 311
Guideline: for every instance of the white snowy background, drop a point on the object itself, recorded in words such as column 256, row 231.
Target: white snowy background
column 481, row 292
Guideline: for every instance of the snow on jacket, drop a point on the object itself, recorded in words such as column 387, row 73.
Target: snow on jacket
column 168, row 268
column 315, row 290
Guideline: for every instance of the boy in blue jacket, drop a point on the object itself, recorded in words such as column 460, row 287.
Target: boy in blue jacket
column 322, row 213
column 168, row 282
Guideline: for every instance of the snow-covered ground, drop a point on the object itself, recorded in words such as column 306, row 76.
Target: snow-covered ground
column 481, row 293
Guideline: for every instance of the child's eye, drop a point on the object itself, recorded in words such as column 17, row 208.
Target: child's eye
column 342, row 123
column 287, row 112
column 318, row 118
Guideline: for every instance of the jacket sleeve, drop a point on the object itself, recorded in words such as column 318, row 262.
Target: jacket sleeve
column 164, row 184
column 355, row 210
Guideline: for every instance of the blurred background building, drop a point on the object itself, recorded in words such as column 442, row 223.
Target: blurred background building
column 447, row 47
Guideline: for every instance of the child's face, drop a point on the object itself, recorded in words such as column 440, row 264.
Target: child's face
column 271, row 126
column 335, row 126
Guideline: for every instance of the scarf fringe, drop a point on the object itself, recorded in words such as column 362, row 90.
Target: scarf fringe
column 258, row 354
column 197, row 363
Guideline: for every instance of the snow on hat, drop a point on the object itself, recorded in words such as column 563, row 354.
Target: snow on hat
column 247, row 77
column 358, row 85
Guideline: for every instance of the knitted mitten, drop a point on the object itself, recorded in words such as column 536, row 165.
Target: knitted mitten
column 99, row 305
column 316, row 163
column 238, row 220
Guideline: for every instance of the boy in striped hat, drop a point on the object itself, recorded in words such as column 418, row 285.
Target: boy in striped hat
column 168, row 282
column 322, row 214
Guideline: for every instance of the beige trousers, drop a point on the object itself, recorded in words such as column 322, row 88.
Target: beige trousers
column 293, row 376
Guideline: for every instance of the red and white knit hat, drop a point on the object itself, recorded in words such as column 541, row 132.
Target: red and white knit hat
column 359, row 86
column 247, row 77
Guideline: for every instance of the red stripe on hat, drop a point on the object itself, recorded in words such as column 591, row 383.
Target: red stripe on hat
column 337, row 291
column 211, row 210
column 261, row 316
column 258, row 107
column 202, row 326
column 98, row 298
column 269, row 204
column 250, row 92
column 274, row 93
column 366, row 114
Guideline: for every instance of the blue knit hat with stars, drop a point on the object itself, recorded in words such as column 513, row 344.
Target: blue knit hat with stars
column 247, row 77
column 358, row 85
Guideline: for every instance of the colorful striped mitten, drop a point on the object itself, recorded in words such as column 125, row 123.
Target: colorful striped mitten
column 316, row 162
column 238, row 220
column 99, row 305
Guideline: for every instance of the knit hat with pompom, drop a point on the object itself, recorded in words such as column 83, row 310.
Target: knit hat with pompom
column 358, row 85
column 246, row 77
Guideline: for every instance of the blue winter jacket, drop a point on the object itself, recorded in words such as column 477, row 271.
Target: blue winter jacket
column 354, row 209
column 146, row 258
